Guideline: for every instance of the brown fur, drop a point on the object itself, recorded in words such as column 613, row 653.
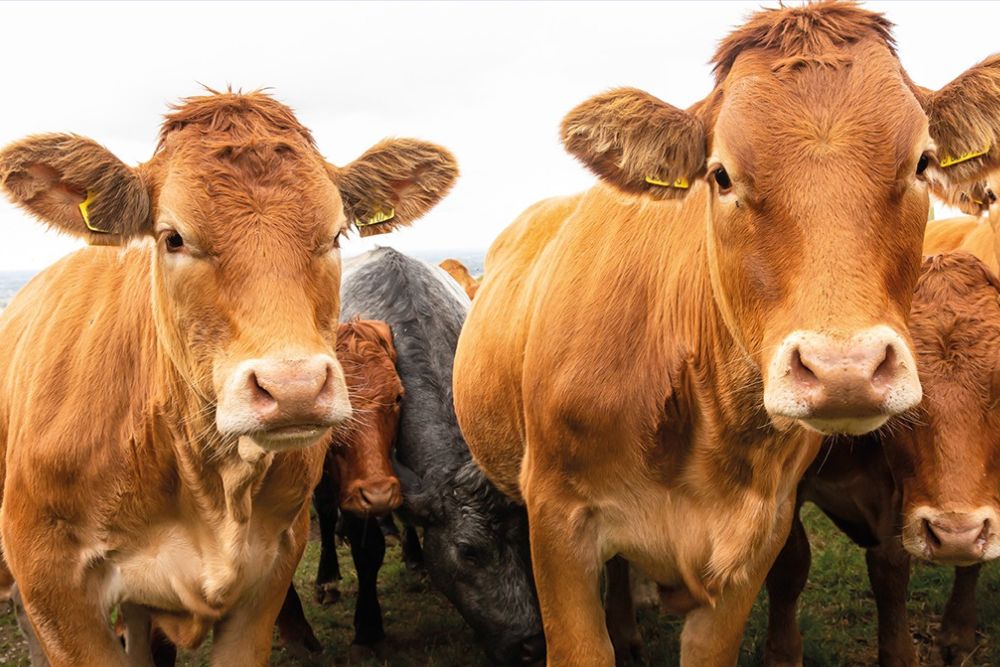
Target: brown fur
column 946, row 455
column 610, row 371
column 113, row 364
column 461, row 274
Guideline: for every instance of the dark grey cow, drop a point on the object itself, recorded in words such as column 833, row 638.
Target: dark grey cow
column 475, row 540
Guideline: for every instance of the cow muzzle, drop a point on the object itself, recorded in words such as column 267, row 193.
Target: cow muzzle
column 849, row 385
column 951, row 537
column 374, row 497
column 283, row 403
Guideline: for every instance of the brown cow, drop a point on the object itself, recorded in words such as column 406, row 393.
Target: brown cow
column 648, row 366
column 159, row 402
column 461, row 274
column 357, row 478
column 932, row 478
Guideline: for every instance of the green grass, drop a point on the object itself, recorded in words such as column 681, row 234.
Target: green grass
column 837, row 615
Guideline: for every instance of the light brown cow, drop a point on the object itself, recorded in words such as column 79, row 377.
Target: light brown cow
column 932, row 478
column 649, row 365
column 461, row 274
column 159, row 402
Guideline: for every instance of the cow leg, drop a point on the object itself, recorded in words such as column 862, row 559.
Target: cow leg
column 712, row 635
column 957, row 637
column 889, row 573
column 413, row 553
column 164, row 651
column 619, row 611
column 326, row 501
column 35, row 652
column 293, row 627
column 389, row 529
column 368, row 552
column 138, row 635
column 567, row 565
column 785, row 582
column 243, row 638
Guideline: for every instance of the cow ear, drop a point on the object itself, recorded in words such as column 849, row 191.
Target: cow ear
column 420, row 504
column 637, row 142
column 971, row 198
column 394, row 183
column 964, row 122
column 77, row 186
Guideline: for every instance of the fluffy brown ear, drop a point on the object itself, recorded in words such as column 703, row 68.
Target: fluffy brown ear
column 637, row 143
column 971, row 198
column 964, row 121
column 52, row 175
column 394, row 183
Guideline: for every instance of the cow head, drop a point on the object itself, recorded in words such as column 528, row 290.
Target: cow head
column 244, row 216
column 947, row 460
column 362, row 448
column 811, row 160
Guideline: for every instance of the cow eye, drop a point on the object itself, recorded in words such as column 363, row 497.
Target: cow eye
column 469, row 553
column 173, row 241
column 722, row 178
column 922, row 164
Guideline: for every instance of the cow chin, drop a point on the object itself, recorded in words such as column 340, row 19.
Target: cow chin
column 858, row 426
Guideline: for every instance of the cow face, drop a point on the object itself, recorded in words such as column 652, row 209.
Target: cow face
column 244, row 217
column 947, row 460
column 810, row 160
column 361, row 449
column 476, row 549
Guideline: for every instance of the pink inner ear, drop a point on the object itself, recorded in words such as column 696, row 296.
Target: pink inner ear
column 47, row 178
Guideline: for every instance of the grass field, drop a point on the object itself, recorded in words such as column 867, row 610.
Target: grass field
column 837, row 616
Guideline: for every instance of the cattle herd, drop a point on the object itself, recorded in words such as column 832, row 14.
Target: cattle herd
column 748, row 312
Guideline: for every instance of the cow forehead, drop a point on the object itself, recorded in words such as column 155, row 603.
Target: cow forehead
column 855, row 108
column 221, row 201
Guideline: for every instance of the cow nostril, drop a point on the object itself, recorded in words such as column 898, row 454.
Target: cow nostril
column 929, row 535
column 533, row 649
column 258, row 390
column 885, row 372
column 800, row 369
column 984, row 534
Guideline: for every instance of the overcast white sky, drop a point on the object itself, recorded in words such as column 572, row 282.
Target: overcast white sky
column 491, row 81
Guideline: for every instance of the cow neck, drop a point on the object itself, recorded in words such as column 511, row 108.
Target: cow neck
column 219, row 475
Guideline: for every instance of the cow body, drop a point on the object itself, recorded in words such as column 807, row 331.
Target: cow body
column 910, row 491
column 162, row 404
column 474, row 539
column 646, row 366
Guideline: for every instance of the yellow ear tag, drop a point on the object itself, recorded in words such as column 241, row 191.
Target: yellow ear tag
column 964, row 157
column 378, row 218
column 84, row 206
column 680, row 183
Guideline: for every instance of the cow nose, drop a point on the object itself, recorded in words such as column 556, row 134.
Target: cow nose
column 374, row 497
column 843, row 385
column 289, row 392
column 533, row 649
column 956, row 537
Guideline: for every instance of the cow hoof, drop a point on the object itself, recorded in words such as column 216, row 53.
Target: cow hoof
column 774, row 659
column 629, row 654
column 362, row 652
column 327, row 594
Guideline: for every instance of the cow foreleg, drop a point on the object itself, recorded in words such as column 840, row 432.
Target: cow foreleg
column 567, row 565
column 326, row 501
column 243, row 638
column 889, row 573
column 35, row 652
column 785, row 582
column 293, row 627
column 368, row 552
column 619, row 610
column 957, row 637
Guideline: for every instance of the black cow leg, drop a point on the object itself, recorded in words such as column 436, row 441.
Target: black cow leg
column 413, row 554
column 368, row 551
column 293, row 627
column 389, row 529
column 326, row 501
column 957, row 637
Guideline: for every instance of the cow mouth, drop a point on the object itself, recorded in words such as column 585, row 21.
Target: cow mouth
column 290, row 437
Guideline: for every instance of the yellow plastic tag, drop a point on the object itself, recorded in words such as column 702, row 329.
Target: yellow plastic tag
column 964, row 157
column 378, row 218
column 680, row 183
column 84, row 206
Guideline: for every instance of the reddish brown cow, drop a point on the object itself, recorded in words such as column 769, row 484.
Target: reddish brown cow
column 159, row 403
column 933, row 477
column 647, row 365
column 357, row 476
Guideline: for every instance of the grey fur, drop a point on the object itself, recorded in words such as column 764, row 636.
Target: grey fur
column 475, row 539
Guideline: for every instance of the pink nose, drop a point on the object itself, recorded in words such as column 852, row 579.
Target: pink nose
column 290, row 392
column 373, row 497
column 956, row 537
